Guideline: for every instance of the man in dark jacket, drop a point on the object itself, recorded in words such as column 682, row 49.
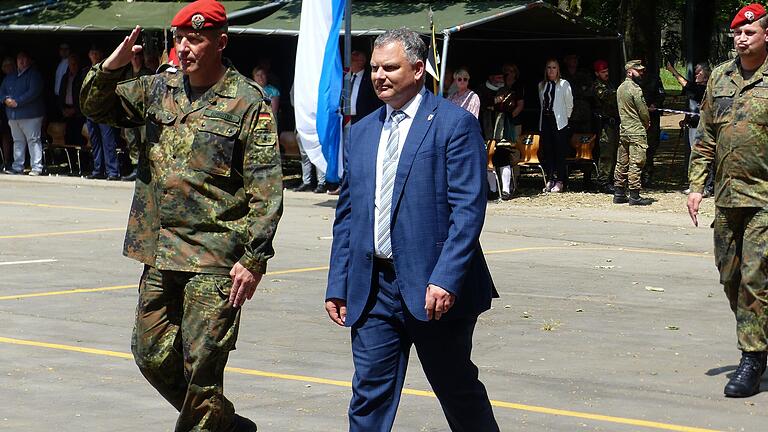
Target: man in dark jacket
column 69, row 100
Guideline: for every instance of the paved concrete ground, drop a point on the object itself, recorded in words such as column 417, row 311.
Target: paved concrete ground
column 582, row 339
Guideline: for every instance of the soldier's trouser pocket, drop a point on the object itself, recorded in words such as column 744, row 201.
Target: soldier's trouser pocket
column 208, row 315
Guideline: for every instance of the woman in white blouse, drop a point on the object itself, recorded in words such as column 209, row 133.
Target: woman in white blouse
column 556, row 107
column 464, row 97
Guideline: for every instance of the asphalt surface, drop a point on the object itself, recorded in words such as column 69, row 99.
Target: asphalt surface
column 610, row 319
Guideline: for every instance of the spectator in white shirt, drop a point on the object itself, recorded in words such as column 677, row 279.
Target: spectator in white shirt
column 61, row 69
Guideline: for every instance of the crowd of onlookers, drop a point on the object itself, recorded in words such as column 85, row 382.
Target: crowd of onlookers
column 29, row 112
column 569, row 101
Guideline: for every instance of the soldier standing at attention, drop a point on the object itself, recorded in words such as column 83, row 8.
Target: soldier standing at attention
column 734, row 119
column 605, row 96
column 207, row 201
column 632, row 137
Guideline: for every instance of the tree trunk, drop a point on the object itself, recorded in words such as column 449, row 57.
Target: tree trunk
column 642, row 32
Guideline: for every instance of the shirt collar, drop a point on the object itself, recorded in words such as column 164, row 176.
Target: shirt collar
column 411, row 107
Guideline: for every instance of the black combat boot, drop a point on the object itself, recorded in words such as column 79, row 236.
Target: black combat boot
column 619, row 195
column 745, row 381
column 243, row 424
column 636, row 199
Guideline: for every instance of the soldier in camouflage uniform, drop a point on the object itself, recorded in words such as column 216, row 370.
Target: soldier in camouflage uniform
column 632, row 140
column 605, row 101
column 207, row 201
column 734, row 134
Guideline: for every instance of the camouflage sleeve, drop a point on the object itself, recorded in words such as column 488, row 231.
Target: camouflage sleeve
column 642, row 108
column 104, row 101
column 703, row 151
column 263, row 180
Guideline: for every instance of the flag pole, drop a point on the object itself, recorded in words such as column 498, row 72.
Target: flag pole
column 347, row 93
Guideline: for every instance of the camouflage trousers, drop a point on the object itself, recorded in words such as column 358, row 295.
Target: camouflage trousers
column 741, row 254
column 609, row 145
column 185, row 328
column 630, row 160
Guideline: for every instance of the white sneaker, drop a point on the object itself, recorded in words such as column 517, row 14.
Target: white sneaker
column 35, row 173
column 548, row 187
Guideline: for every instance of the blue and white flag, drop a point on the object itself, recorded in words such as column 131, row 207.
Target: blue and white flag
column 317, row 85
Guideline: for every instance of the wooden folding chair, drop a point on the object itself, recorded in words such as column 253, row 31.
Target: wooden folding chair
column 584, row 145
column 528, row 145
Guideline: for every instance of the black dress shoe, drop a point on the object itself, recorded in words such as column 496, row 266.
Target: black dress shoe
column 506, row 196
column 321, row 188
column 130, row 177
column 493, row 196
column 96, row 177
column 114, row 178
column 745, row 381
column 304, row 187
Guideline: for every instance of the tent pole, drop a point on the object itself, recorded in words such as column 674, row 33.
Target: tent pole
column 346, row 119
column 443, row 61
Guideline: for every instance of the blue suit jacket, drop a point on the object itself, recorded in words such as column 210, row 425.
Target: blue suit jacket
column 438, row 209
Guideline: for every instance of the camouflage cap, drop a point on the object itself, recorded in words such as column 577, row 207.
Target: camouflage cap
column 634, row 64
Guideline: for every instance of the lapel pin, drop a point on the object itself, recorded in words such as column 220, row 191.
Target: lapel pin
column 429, row 117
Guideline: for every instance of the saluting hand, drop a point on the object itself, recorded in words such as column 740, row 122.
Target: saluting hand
column 123, row 54
column 438, row 302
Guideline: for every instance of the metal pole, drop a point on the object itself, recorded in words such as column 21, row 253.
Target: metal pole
column 347, row 93
column 443, row 61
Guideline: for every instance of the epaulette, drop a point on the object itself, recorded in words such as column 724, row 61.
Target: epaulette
column 167, row 67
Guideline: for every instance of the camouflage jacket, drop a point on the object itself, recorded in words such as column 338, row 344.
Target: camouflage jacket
column 734, row 131
column 633, row 111
column 605, row 98
column 209, row 187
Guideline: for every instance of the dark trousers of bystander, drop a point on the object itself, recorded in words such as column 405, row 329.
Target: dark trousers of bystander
column 104, row 148
column 554, row 147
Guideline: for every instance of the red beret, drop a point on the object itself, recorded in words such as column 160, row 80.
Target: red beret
column 201, row 14
column 748, row 15
column 600, row 65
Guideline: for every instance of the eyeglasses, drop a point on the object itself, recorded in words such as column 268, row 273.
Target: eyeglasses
column 462, row 79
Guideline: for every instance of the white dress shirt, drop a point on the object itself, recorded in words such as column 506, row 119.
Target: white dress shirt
column 61, row 70
column 403, row 127
column 355, row 91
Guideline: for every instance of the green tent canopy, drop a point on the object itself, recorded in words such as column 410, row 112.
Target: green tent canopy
column 102, row 15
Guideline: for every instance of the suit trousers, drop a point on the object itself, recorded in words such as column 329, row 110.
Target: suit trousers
column 104, row 148
column 185, row 328
column 381, row 343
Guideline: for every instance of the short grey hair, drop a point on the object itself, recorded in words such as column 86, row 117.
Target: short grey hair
column 414, row 47
column 763, row 22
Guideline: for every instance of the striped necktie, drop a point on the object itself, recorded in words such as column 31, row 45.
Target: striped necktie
column 388, row 171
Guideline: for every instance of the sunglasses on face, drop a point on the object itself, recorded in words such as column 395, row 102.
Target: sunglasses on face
column 462, row 79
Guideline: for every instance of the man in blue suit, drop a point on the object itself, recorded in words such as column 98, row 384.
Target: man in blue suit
column 406, row 264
